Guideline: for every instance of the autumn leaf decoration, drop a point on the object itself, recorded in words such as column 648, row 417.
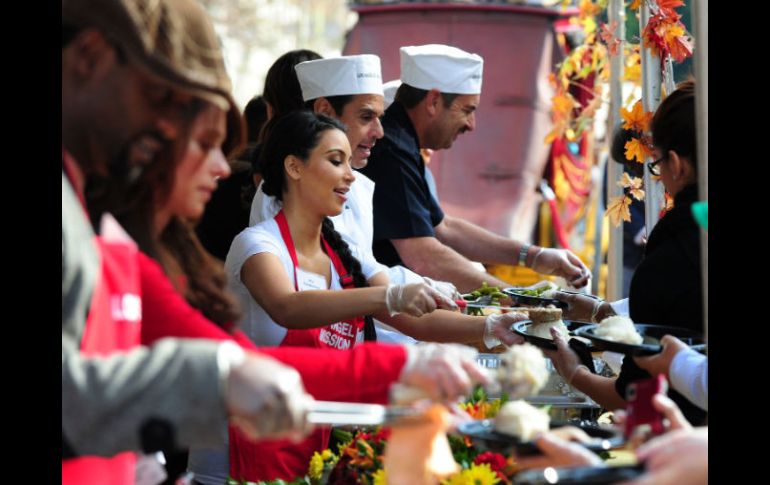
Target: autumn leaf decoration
column 571, row 118
column 607, row 35
column 618, row 209
column 665, row 34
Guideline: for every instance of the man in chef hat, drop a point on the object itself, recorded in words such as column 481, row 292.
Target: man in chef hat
column 350, row 89
column 436, row 103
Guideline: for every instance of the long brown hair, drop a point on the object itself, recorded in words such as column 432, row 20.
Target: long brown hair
column 192, row 270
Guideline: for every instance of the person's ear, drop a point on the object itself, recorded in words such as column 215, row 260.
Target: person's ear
column 323, row 106
column 293, row 167
column 679, row 166
column 432, row 100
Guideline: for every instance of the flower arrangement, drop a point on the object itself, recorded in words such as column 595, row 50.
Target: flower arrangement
column 358, row 458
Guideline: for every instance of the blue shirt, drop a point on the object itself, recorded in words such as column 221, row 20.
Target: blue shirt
column 403, row 204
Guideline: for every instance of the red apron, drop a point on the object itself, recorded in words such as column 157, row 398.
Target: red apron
column 270, row 460
column 113, row 325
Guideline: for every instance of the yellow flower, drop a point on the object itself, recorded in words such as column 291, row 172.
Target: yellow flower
column 475, row 475
column 316, row 468
column 327, row 454
column 379, row 477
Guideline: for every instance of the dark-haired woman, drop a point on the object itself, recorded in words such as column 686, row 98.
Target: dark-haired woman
column 666, row 287
column 306, row 165
column 171, row 193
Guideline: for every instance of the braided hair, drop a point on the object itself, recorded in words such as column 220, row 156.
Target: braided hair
column 298, row 133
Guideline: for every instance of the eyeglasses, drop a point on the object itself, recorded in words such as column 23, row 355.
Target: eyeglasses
column 653, row 166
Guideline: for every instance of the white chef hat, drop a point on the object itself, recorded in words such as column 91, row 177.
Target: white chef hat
column 339, row 76
column 390, row 88
column 442, row 67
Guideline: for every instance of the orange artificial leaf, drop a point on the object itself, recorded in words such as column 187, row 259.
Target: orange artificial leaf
column 637, row 149
column 680, row 48
column 587, row 8
column 637, row 119
column 608, row 36
column 618, row 210
column 634, row 184
column 563, row 104
column 667, row 6
column 635, row 4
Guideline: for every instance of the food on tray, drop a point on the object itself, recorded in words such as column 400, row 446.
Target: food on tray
column 545, row 318
column 522, row 370
column 542, row 289
column 618, row 329
column 521, row 419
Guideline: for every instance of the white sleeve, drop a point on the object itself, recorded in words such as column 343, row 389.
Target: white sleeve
column 689, row 375
column 263, row 207
column 251, row 241
column 620, row 307
column 400, row 275
column 370, row 266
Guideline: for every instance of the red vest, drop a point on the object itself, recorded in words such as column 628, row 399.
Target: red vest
column 283, row 459
column 113, row 325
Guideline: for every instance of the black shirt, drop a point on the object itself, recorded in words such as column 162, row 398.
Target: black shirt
column 666, row 288
column 403, row 205
column 227, row 213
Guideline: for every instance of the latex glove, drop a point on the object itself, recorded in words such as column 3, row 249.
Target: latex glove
column 415, row 299
column 497, row 329
column 444, row 287
column 265, row 398
column 441, row 372
column 558, row 452
column 661, row 363
column 676, row 458
column 564, row 263
column 581, row 307
column 565, row 360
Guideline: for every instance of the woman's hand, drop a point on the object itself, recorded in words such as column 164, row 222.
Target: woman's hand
column 415, row 299
column 565, row 360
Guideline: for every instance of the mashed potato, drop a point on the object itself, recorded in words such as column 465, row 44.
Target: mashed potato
column 618, row 329
column 522, row 370
column 521, row 419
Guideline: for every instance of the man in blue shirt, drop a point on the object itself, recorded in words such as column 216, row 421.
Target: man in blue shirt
column 435, row 104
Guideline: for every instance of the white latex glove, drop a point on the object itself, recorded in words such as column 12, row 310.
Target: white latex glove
column 444, row 287
column 441, row 372
column 497, row 329
column 415, row 299
column 560, row 262
column 264, row 397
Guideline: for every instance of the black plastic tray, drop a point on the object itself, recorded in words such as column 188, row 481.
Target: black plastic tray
column 483, row 434
column 522, row 328
column 651, row 335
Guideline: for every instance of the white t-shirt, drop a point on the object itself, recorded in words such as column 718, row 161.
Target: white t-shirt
column 265, row 237
column 356, row 226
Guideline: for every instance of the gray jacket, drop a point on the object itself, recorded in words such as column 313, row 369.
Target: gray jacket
column 106, row 401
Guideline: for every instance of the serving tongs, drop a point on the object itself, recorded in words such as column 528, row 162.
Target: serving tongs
column 345, row 413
